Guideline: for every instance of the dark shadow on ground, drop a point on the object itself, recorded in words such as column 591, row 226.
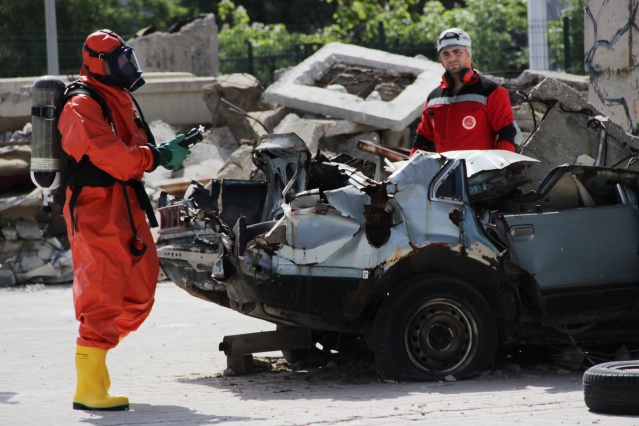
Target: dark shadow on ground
column 359, row 381
column 5, row 398
column 145, row 414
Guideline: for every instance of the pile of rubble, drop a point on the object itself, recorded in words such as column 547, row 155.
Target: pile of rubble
column 28, row 254
column 34, row 247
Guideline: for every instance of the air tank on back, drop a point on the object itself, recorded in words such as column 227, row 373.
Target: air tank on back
column 45, row 140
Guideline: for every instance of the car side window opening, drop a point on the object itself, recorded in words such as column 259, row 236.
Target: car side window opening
column 449, row 186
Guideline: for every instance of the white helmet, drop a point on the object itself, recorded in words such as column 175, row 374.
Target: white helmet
column 453, row 37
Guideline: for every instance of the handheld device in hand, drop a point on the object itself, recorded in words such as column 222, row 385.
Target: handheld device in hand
column 193, row 136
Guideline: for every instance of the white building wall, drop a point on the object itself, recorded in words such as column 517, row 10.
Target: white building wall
column 611, row 44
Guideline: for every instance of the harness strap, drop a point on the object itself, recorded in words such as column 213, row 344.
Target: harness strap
column 85, row 173
column 145, row 126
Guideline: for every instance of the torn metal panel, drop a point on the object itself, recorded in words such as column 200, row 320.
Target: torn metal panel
column 381, row 225
column 482, row 161
column 285, row 160
column 310, row 230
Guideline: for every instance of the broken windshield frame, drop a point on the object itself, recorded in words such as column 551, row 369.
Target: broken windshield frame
column 449, row 185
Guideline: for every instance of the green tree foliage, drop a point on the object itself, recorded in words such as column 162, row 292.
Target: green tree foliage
column 498, row 31
column 573, row 15
column 123, row 17
column 296, row 13
column 498, row 28
column 23, row 45
column 276, row 46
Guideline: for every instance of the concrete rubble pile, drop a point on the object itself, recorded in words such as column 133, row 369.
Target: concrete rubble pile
column 332, row 100
column 572, row 131
column 33, row 247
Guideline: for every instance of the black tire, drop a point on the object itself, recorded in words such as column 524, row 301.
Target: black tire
column 613, row 387
column 434, row 326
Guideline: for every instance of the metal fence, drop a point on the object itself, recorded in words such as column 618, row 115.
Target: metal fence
column 262, row 60
column 23, row 53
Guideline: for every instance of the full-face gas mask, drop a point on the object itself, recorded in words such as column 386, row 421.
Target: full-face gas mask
column 119, row 65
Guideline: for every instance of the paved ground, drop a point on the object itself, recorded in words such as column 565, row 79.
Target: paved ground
column 170, row 370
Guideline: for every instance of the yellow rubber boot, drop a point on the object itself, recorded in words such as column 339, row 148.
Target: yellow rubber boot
column 107, row 379
column 91, row 392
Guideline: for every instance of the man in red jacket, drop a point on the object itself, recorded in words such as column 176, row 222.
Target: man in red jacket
column 115, row 262
column 467, row 111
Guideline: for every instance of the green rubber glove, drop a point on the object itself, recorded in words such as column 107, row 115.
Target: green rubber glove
column 172, row 154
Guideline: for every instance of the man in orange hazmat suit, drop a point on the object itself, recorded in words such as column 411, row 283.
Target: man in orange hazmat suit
column 114, row 257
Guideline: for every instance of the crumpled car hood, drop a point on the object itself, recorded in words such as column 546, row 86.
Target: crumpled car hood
column 476, row 161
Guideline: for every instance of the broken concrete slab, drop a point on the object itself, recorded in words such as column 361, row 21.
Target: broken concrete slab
column 263, row 123
column 25, row 259
column 297, row 87
column 518, row 87
column 7, row 278
column 206, row 158
column 175, row 100
column 28, row 262
column 14, row 168
column 9, row 232
column 530, row 78
column 28, row 230
column 312, row 130
column 239, row 165
column 224, row 138
column 204, row 162
column 9, row 246
column 228, row 92
column 45, row 272
column 570, row 127
column 309, row 131
column 192, row 49
column 396, row 139
column 175, row 97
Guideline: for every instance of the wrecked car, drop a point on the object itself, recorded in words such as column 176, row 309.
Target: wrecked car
column 432, row 269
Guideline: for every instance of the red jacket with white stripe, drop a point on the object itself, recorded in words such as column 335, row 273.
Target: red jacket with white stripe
column 479, row 116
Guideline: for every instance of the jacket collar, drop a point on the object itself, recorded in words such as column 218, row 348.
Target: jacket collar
column 469, row 76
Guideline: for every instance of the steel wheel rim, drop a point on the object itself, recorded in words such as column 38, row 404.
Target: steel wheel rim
column 440, row 337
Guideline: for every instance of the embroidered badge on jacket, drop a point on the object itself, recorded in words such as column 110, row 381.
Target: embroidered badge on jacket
column 469, row 122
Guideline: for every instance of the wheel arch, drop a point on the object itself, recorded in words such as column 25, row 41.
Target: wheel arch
column 438, row 259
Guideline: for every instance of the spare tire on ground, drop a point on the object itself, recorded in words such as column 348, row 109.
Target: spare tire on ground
column 613, row 387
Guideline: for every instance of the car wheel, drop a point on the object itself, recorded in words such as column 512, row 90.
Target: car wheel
column 613, row 387
column 431, row 327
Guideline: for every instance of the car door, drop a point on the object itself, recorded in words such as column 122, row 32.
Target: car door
column 577, row 248
column 585, row 261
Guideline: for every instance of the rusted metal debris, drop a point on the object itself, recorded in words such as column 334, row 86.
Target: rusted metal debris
column 390, row 154
column 362, row 81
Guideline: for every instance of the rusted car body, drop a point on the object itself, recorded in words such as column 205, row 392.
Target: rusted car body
column 432, row 269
